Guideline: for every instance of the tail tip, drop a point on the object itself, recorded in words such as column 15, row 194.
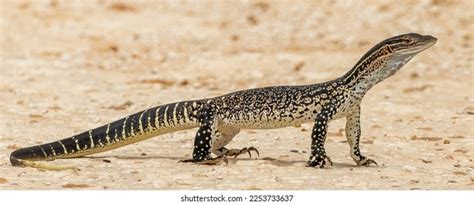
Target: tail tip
column 14, row 160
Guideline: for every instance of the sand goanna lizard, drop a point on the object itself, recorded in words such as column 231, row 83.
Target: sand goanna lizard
column 221, row 118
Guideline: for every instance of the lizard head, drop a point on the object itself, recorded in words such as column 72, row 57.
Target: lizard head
column 386, row 58
column 409, row 44
column 401, row 49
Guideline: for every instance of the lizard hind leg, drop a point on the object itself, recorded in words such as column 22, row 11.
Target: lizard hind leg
column 204, row 139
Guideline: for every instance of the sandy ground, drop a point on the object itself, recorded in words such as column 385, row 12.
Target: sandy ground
column 70, row 67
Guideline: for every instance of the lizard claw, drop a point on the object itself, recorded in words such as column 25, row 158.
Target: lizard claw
column 366, row 162
column 319, row 162
column 248, row 150
column 237, row 152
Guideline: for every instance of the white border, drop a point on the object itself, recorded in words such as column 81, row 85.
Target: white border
column 174, row 197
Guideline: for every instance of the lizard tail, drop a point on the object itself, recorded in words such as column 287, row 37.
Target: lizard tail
column 136, row 127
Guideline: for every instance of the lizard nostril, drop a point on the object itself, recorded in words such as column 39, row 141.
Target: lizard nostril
column 430, row 38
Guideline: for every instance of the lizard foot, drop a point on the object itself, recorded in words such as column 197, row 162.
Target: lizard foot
column 318, row 161
column 209, row 161
column 236, row 152
column 364, row 161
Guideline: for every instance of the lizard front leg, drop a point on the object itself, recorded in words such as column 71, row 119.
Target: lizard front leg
column 318, row 156
column 353, row 133
column 203, row 140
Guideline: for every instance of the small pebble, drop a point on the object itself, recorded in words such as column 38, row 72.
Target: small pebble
column 414, row 181
column 468, row 110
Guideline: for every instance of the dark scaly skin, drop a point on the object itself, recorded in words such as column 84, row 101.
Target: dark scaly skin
column 220, row 118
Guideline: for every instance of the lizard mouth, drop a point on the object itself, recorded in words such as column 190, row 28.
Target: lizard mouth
column 429, row 40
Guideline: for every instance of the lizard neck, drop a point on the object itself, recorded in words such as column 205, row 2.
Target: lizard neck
column 375, row 66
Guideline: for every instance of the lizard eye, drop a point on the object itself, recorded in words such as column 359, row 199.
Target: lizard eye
column 407, row 41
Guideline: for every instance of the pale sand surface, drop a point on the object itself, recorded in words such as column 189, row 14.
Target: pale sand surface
column 67, row 68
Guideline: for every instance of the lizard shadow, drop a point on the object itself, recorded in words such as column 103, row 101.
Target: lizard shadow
column 284, row 163
column 266, row 160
